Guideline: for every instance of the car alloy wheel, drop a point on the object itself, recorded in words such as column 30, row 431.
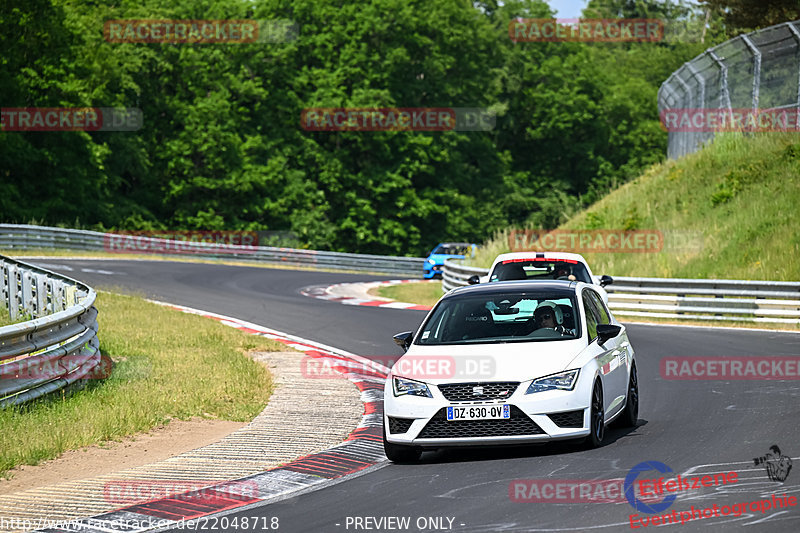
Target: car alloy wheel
column 630, row 415
column 597, row 426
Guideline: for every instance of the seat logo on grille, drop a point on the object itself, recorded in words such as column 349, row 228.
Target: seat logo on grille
column 477, row 391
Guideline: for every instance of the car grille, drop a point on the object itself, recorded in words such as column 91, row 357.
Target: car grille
column 464, row 392
column 569, row 419
column 399, row 425
column 440, row 428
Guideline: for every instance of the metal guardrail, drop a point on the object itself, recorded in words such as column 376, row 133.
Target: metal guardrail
column 695, row 299
column 454, row 274
column 758, row 70
column 26, row 237
column 58, row 345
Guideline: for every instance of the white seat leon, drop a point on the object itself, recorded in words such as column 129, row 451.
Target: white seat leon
column 510, row 363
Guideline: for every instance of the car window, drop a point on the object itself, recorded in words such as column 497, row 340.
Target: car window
column 539, row 269
column 499, row 318
column 591, row 316
column 599, row 306
column 451, row 250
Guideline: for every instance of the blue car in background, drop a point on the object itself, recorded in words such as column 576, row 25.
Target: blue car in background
column 446, row 250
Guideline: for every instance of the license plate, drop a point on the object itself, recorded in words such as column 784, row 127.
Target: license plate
column 479, row 412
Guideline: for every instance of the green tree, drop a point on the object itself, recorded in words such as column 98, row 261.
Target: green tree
column 741, row 16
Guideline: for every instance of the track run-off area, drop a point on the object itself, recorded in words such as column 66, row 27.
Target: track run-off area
column 695, row 427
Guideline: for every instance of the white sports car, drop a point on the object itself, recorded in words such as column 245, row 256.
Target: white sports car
column 509, row 363
column 543, row 266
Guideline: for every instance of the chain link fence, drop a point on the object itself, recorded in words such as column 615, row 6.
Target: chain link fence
column 754, row 72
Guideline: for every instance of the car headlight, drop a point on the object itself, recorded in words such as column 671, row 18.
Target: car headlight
column 403, row 386
column 561, row 381
column 431, row 261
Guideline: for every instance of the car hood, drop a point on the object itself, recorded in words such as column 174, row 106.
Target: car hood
column 520, row 361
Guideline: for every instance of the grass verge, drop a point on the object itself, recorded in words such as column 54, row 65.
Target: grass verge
column 5, row 317
column 419, row 293
column 167, row 365
column 707, row 323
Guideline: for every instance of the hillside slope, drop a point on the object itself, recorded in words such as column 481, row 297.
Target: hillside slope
column 736, row 202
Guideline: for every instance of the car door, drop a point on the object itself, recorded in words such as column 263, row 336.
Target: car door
column 611, row 356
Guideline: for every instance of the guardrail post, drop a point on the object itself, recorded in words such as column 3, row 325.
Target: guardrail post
column 4, row 294
column 14, row 296
column 41, row 295
column 70, row 296
column 27, row 305
column 58, row 298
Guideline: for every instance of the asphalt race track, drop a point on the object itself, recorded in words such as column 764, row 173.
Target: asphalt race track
column 694, row 427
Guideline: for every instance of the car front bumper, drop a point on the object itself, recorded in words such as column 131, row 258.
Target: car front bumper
column 429, row 272
column 532, row 415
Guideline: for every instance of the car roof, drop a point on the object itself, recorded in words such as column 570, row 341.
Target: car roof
column 534, row 255
column 547, row 255
column 505, row 287
column 454, row 244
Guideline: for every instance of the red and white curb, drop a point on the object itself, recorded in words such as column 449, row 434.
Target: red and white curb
column 357, row 294
column 360, row 453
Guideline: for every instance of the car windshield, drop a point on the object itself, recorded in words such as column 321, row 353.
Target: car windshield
column 499, row 318
column 451, row 249
column 538, row 269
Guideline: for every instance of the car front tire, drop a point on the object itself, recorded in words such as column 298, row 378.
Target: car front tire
column 400, row 453
column 597, row 425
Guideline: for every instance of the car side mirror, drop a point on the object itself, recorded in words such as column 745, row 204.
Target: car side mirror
column 606, row 280
column 607, row 331
column 474, row 279
column 403, row 339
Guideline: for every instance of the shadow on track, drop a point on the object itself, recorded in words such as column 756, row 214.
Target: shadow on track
column 494, row 453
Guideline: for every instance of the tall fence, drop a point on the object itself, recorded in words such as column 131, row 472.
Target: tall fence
column 756, row 71
column 27, row 237
column 693, row 299
column 55, row 343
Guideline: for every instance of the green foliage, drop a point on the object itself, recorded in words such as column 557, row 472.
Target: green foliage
column 741, row 16
column 221, row 146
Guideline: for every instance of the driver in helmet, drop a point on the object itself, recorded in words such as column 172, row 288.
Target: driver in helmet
column 564, row 272
column 549, row 315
